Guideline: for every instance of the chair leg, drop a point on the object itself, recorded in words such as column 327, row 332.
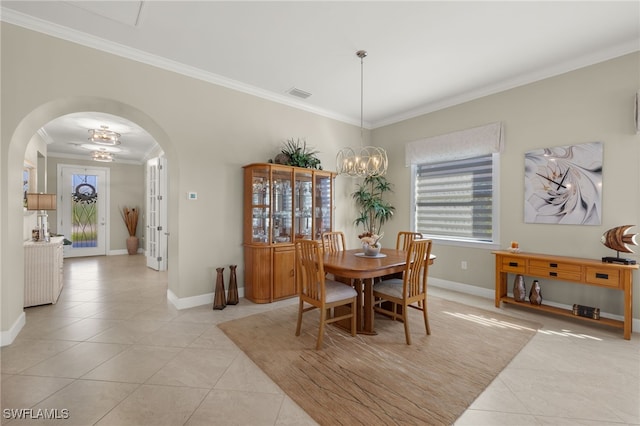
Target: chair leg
column 426, row 316
column 323, row 318
column 299, row 325
column 353, row 318
column 405, row 319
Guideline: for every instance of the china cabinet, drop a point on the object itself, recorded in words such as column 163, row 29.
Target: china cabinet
column 281, row 204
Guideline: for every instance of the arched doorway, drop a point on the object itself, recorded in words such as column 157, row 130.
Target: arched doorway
column 11, row 243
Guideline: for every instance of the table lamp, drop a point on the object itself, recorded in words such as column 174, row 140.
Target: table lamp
column 42, row 203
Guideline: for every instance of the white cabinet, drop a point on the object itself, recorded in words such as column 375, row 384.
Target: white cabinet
column 42, row 271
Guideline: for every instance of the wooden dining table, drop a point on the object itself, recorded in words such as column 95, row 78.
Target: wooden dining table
column 362, row 271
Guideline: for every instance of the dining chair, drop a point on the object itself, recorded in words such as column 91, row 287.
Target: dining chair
column 333, row 241
column 408, row 292
column 404, row 239
column 318, row 291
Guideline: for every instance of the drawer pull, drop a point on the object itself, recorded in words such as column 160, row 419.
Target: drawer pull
column 553, row 274
column 602, row 276
column 553, row 265
column 514, row 264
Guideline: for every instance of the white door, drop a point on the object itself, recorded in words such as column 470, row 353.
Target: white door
column 156, row 206
column 82, row 213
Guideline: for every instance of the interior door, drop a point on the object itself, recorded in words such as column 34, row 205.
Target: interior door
column 82, row 213
column 156, row 206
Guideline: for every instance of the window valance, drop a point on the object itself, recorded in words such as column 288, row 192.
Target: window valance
column 468, row 143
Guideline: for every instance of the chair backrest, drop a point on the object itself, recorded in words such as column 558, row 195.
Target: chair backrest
column 404, row 239
column 416, row 272
column 333, row 241
column 310, row 272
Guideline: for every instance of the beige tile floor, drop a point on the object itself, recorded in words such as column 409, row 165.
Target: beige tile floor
column 113, row 351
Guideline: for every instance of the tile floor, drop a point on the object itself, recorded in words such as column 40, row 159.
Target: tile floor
column 113, row 351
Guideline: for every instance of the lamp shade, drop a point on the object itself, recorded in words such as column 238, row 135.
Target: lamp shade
column 41, row 201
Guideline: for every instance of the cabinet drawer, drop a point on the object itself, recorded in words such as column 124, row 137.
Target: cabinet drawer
column 556, row 274
column 555, row 270
column 603, row 276
column 513, row 264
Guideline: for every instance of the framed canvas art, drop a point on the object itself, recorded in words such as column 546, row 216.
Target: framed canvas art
column 563, row 185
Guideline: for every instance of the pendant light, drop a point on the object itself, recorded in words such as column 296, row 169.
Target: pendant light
column 363, row 161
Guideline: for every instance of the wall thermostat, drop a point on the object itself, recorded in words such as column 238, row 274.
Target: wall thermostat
column 192, row 195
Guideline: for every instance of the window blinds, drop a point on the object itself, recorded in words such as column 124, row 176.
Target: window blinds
column 454, row 198
column 474, row 142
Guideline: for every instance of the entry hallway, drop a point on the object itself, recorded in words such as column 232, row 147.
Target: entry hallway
column 113, row 351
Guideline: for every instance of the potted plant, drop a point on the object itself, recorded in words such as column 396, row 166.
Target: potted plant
column 373, row 208
column 295, row 153
column 130, row 217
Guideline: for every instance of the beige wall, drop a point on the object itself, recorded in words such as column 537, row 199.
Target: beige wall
column 208, row 132
column 587, row 105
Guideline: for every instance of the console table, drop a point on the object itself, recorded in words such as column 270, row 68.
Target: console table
column 569, row 269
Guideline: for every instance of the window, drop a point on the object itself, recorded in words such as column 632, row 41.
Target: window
column 457, row 199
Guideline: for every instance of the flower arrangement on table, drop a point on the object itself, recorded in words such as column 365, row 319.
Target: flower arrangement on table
column 371, row 243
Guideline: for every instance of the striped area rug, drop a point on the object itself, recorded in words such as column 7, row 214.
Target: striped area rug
column 379, row 380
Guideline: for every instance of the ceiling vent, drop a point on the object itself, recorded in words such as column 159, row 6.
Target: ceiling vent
column 298, row 93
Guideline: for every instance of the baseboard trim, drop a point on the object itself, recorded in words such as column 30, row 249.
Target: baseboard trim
column 193, row 301
column 7, row 337
column 490, row 294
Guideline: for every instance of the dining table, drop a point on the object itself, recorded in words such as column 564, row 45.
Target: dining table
column 362, row 271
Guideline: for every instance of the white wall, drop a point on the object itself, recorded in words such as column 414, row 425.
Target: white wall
column 587, row 105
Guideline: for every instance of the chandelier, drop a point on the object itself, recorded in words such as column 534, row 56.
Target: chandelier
column 103, row 156
column 104, row 136
column 363, row 161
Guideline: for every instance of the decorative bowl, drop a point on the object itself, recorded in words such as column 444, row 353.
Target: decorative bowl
column 371, row 250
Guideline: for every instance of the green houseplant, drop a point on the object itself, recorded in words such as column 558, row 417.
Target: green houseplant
column 374, row 210
column 296, row 153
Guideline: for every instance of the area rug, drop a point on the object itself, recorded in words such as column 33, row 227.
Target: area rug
column 380, row 380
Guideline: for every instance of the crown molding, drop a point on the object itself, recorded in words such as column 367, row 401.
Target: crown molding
column 521, row 80
column 35, row 24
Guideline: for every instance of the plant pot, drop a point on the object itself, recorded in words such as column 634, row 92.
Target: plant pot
column 132, row 245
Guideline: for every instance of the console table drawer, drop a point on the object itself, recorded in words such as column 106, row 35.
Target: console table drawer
column 556, row 274
column 514, row 264
column 603, row 276
column 556, row 270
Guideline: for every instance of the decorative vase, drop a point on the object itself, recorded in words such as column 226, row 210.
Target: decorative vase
column 535, row 295
column 370, row 250
column 132, row 244
column 519, row 290
column 219, row 301
column 232, row 299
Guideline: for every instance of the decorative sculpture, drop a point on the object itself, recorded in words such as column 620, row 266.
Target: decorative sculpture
column 619, row 239
column 519, row 290
column 535, row 295
column 232, row 299
column 219, row 301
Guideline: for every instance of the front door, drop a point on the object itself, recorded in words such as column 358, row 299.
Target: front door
column 82, row 216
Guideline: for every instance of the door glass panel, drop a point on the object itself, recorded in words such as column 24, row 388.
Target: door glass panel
column 282, row 206
column 260, row 206
column 303, row 200
column 322, row 205
column 84, row 217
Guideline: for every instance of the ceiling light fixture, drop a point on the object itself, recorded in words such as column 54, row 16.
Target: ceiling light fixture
column 363, row 161
column 104, row 136
column 103, row 156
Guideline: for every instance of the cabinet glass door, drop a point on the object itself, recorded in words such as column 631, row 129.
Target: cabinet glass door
column 281, row 202
column 322, row 204
column 260, row 202
column 303, row 205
